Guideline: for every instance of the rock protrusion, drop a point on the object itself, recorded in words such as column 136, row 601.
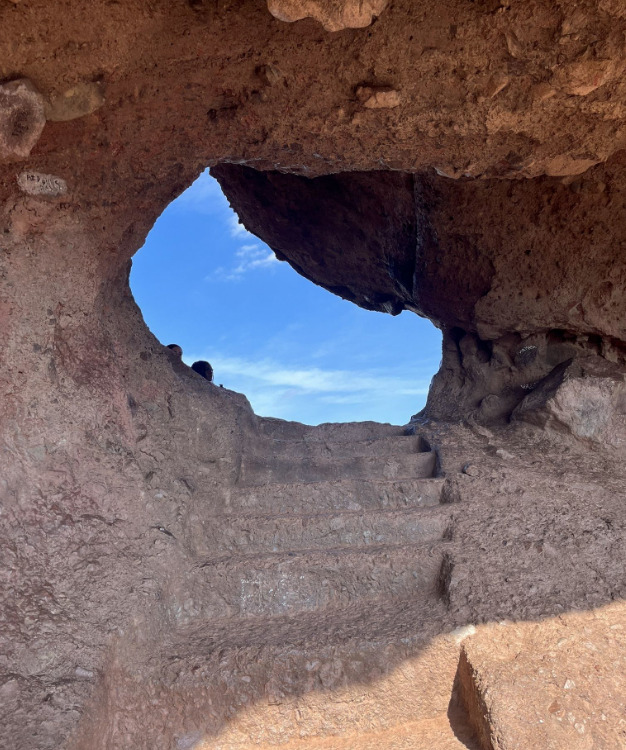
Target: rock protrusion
column 78, row 101
column 334, row 15
column 22, row 119
column 584, row 397
column 378, row 97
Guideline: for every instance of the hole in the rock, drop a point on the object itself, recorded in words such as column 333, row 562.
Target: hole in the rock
column 295, row 350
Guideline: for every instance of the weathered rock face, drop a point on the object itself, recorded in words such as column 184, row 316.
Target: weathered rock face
column 21, row 119
column 469, row 165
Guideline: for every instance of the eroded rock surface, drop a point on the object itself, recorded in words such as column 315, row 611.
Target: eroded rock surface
column 176, row 572
column 334, row 15
column 21, row 119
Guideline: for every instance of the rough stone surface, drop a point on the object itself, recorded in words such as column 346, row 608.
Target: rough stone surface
column 35, row 183
column 78, row 101
column 22, row 119
column 334, row 15
column 378, row 98
column 176, row 572
column 558, row 685
column 465, row 255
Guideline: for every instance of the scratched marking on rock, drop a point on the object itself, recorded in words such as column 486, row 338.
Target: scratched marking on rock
column 35, row 183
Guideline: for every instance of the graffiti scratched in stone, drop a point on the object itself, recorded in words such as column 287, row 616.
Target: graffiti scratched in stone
column 35, row 183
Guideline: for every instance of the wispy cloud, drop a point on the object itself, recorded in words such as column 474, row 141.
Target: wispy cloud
column 248, row 258
column 314, row 393
column 237, row 229
column 317, row 379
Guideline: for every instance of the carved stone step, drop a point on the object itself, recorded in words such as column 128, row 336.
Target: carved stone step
column 335, row 692
column 236, row 535
column 428, row 734
column 313, row 579
column 342, row 494
column 310, row 450
column 384, row 620
column 263, row 469
column 279, row 429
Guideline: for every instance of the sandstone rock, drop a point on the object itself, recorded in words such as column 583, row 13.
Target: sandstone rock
column 542, row 92
column 22, row 119
column 270, row 74
column 554, row 685
column 581, row 78
column 471, row 470
column 75, row 102
column 35, row 183
column 145, row 535
column 496, row 84
column 334, row 15
column 586, row 397
column 382, row 97
column 614, row 7
column 568, row 165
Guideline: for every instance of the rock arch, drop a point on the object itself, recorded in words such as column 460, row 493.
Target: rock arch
column 497, row 133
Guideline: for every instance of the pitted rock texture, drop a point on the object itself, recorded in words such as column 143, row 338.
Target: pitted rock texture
column 489, row 197
column 21, row 119
column 78, row 101
column 334, row 15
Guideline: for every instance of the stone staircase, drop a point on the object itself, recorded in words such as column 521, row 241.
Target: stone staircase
column 322, row 578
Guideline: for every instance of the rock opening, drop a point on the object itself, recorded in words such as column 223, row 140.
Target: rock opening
column 293, row 349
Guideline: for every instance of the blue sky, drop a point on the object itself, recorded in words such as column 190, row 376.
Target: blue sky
column 297, row 351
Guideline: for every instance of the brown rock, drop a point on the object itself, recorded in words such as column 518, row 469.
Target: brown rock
column 587, row 397
column 78, row 101
column 382, row 97
column 35, row 183
column 176, row 572
column 568, row 166
column 581, row 78
column 553, row 685
column 21, row 119
column 334, row 15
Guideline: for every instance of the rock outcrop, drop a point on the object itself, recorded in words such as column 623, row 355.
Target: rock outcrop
column 176, row 572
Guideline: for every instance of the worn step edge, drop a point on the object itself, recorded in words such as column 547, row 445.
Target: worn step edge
column 263, row 470
column 387, row 447
column 338, row 493
column 346, row 431
column 286, row 535
column 312, row 580
column 426, row 734
column 407, row 510
column 312, row 552
column 383, row 619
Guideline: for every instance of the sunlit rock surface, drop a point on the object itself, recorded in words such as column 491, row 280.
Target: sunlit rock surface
column 178, row 573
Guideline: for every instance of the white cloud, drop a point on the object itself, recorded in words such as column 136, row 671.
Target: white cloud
column 315, row 394
column 237, row 229
column 316, row 379
column 249, row 258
